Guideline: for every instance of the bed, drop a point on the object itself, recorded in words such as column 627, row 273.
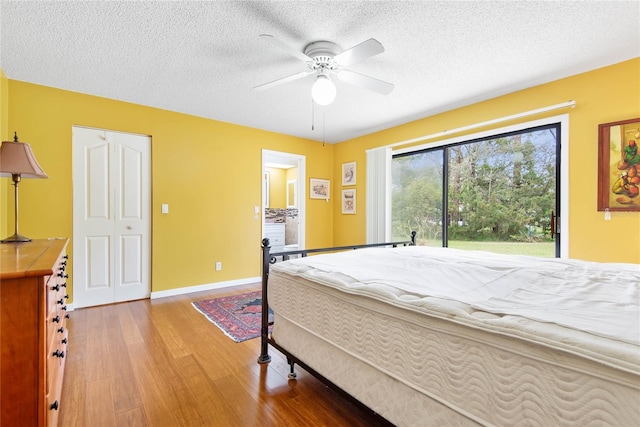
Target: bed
column 444, row 337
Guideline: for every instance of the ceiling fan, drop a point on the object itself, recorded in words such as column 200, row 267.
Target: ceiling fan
column 324, row 58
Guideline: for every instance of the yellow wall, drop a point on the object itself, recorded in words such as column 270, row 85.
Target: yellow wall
column 4, row 106
column 211, row 217
column 605, row 95
column 278, row 179
column 277, row 195
column 4, row 136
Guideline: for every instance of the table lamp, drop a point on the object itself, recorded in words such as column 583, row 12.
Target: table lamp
column 17, row 160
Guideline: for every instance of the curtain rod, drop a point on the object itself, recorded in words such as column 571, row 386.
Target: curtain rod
column 570, row 103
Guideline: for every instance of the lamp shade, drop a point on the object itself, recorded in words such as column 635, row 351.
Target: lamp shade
column 16, row 158
column 323, row 91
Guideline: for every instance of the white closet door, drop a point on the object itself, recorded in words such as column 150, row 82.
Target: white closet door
column 111, row 227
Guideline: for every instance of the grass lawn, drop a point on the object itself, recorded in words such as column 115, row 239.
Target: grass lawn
column 542, row 249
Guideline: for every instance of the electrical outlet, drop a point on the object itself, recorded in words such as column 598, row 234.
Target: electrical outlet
column 218, row 266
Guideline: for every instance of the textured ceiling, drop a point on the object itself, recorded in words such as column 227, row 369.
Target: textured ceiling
column 204, row 57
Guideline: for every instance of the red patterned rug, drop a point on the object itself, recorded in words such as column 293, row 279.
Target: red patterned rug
column 238, row 316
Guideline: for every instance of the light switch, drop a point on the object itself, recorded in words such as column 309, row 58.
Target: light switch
column 165, row 208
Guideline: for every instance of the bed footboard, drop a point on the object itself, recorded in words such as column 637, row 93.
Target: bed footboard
column 269, row 258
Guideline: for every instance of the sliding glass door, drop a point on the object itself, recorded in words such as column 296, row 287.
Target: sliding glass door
column 417, row 196
column 499, row 193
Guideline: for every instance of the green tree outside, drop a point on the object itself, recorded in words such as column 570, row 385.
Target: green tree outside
column 499, row 190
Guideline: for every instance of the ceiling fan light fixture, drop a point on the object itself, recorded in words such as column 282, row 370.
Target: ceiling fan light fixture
column 323, row 91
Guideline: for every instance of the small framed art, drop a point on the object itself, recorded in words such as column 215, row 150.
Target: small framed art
column 349, row 173
column 349, row 201
column 319, row 188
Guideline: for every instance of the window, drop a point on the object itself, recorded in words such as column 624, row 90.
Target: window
column 498, row 193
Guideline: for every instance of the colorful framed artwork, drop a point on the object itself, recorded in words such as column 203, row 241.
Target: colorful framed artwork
column 619, row 166
column 319, row 188
column 349, row 201
column 349, row 173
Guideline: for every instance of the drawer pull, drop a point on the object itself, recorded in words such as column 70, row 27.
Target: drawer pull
column 66, row 316
column 58, row 353
column 60, row 301
column 66, row 297
column 54, row 406
column 61, row 330
column 64, row 341
column 63, row 275
column 55, row 288
column 66, row 257
column 56, row 319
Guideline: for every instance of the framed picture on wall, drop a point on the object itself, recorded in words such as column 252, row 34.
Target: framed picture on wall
column 349, row 173
column 319, row 188
column 349, row 201
column 619, row 166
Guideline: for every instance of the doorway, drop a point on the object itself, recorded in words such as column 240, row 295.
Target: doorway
column 111, row 216
column 283, row 200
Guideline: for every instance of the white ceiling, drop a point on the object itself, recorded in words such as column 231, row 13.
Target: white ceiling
column 204, row 57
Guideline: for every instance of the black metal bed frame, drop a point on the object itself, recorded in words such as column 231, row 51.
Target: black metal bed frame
column 269, row 258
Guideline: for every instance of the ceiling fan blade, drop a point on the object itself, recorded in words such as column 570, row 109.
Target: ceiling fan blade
column 366, row 82
column 282, row 45
column 364, row 50
column 284, row 80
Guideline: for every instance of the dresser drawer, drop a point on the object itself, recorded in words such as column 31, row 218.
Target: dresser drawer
column 276, row 240
column 275, row 234
column 56, row 360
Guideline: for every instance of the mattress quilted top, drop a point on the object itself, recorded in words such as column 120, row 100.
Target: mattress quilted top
column 559, row 301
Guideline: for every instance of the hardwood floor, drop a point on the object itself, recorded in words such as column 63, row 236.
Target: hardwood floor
column 161, row 363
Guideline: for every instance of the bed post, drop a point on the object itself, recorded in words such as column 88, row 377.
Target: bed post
column 264, row 330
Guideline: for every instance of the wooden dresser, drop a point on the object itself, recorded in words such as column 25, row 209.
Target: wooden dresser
column 33, row 298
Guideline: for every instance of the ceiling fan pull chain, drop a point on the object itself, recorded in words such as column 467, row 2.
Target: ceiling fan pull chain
column 323, row 126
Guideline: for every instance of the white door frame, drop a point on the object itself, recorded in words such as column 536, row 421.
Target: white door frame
column 300, row 161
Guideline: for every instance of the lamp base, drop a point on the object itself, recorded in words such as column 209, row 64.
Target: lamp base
column 16, row 238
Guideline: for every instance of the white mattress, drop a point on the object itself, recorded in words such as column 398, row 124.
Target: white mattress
column 495, row 367
column 391, row 398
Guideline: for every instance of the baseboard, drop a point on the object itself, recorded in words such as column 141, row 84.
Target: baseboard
column 205, row 287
